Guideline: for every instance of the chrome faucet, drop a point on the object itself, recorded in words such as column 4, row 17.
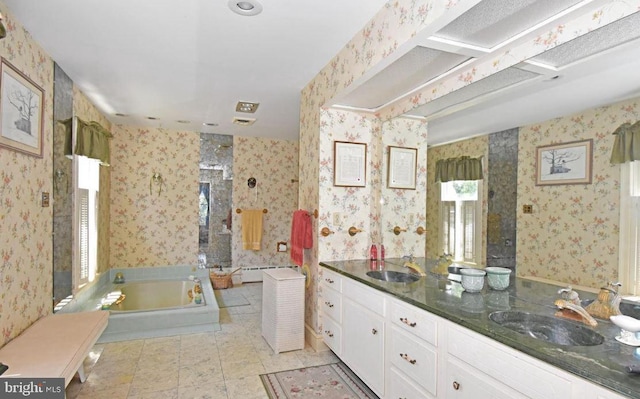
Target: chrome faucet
column 570, row 308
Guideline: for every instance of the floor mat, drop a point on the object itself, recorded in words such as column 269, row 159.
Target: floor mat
column 229, row 298
column 331, row 381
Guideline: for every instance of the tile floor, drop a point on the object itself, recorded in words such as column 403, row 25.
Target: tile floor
column 224, row 364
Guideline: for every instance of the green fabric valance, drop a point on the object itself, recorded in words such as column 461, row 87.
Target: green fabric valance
column 626, row 147
column 92, row 140
column 461, row 168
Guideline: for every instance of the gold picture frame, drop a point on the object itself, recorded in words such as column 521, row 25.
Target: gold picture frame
column 564, row 163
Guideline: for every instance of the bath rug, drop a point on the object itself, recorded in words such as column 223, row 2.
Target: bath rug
column 331, row 381
column 229, row 298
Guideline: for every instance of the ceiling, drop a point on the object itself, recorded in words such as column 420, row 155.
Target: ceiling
column 193, row 64
column 194, row 60
column 601, row 67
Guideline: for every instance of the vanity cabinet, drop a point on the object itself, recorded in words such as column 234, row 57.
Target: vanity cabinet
column 402, row 351
column 331, row 306
column 364, row 334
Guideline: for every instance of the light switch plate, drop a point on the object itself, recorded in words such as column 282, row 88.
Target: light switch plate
column 337, row 218
column 45, row 199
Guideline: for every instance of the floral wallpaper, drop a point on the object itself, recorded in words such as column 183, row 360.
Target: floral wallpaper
column 572, row 235
column 274, row 165
column 404, row 208
column 152, row 224
column 26, row 254
column 475, row 147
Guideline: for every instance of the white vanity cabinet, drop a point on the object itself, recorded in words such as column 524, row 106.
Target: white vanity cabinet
column 411, row 352
column 402, row 351
column 363, row 329
column 331, row 306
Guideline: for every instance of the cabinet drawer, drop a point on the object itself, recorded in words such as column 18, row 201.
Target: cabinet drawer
column 401, row 387
column 507, row 365
column 331, row 279
column 415, row 321
column 332, row 335
column 331, row 304
column 367, row 297
column 463, row 382
column 414, row 358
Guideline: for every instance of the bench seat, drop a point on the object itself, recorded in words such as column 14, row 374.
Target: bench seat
column 54, row 346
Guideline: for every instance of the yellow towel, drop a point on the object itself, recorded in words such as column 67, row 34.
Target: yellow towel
column 251, row 229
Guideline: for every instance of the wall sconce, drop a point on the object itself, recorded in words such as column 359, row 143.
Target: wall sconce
column 156, row 178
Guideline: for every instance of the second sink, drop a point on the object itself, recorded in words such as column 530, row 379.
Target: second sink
column 547, row 328
column 393, row 277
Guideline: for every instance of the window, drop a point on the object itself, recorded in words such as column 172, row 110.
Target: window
column 629, row 271
column 87, row 171
column 461, row 214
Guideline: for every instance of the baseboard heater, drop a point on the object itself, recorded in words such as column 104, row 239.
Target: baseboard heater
column 254, row 274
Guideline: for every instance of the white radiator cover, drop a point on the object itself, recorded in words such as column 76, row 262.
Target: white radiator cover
column 283, row 309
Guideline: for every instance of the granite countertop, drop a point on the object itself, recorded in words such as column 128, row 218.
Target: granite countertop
column 602, row 364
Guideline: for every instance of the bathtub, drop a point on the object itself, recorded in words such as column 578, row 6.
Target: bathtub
column 151, row 296
column 144, row 313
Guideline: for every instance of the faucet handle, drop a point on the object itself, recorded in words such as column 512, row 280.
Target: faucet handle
column 615, row 286
column 569, row 294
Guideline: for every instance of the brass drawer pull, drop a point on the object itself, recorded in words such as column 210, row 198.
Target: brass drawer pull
column 329, row 333
column 456, row 385
column 328, row 280
column 374, row 331
column 329, row 304
column 407, row 358
column 406, row 321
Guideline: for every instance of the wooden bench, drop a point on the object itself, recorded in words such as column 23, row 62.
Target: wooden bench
column 54, row 346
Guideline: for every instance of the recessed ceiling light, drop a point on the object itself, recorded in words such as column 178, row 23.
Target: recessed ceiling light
column 244, row 106
column 248, row 7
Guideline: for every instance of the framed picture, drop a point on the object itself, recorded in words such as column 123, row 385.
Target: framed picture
column 349, row 164
column 566, row 163
column 21, row 111
column 402, row 167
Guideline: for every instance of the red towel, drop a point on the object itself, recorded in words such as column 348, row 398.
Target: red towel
column 301, row 235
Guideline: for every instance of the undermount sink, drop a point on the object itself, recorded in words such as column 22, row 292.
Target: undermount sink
column 391, row 276
column 547, row 328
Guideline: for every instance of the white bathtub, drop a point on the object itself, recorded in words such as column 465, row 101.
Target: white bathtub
column 153, row 295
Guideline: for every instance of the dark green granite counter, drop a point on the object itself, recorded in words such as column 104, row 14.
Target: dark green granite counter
column 601, row 364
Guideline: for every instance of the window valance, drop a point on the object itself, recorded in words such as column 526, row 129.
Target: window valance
column 92, row 140
column 626, row 147
column 461, row 168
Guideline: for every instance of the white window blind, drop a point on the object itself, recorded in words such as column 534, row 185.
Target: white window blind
column 83, row 227
column 85, row 263
column 448, row 227
column 460, row 219
column 629, row 259
column 469, row 226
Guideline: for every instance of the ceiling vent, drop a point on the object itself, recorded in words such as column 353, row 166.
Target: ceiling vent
column 244, row 121
column 244, row 106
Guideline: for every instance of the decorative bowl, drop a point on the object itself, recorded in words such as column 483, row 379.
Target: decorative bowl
column 472, row 279
column 498, row 277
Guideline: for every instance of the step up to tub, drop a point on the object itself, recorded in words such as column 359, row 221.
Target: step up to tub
column 54, row 346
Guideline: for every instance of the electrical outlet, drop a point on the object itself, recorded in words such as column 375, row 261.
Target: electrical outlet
column 336, row 218
column 45, row 199
column 527, row 208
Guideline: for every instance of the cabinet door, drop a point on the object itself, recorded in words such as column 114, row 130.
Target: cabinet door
column 363, row 344
column 465, row 382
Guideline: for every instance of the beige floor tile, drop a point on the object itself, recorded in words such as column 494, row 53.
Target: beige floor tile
column 167, row 394
column 113, row 392
column 147, row 383
column 216, row 390
column 246, row 388
column 234, row 370
column 200, row 374
column 122, row 350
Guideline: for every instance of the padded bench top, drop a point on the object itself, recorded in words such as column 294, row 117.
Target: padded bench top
column 53, row 346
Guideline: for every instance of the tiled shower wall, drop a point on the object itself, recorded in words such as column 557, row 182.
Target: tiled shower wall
column 216, row 167
column 502, row 199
